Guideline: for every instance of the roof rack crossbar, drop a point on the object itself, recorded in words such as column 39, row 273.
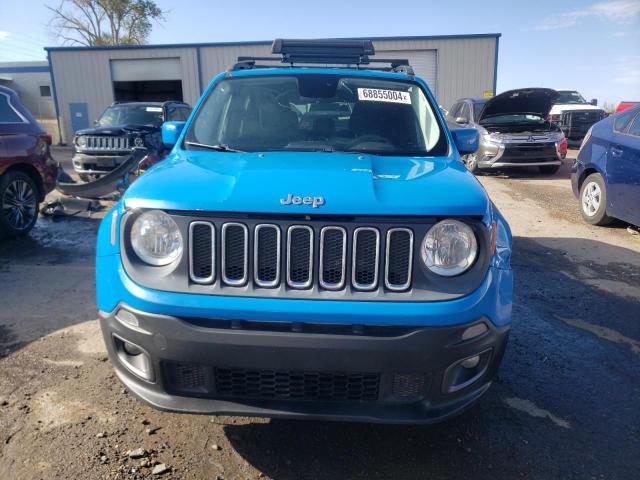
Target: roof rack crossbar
column 324, row 52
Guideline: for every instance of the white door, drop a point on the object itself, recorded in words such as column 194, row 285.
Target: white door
column 141, row 69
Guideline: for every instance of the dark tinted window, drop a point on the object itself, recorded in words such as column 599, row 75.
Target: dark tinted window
column 7, row 113
column 178, row 114
column 454, row 110
column 131, row 115
column 477, row 108
column 635, row 127
column 623, row 119
column 45, row 91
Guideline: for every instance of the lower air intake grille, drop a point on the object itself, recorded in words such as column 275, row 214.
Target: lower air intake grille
column 293, row 385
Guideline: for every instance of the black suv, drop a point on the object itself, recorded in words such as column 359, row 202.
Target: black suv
column 120, row 128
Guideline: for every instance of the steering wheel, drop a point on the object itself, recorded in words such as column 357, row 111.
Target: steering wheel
column 369, row 138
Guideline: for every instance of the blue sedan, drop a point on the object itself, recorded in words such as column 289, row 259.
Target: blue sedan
column 606, row 175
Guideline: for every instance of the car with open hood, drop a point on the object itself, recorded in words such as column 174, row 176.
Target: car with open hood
column 514, row 130
column 121, row 128
column 312, row 246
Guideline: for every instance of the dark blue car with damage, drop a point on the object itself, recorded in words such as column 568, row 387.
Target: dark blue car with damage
column 606, row 174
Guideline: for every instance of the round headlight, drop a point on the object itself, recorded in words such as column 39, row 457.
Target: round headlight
column 155, row 238
column 81, row 141
column 449, row 248
column 138, row 142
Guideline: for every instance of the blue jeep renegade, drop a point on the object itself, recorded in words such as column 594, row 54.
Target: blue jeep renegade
column 312, row 247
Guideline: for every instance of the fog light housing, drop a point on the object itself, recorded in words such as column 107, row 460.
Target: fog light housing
column 133, row 358
column 466, row 371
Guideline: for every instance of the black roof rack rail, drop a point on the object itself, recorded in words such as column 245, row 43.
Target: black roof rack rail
column 325, row 52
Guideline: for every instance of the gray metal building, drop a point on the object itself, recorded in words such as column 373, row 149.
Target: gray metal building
column 86, row 80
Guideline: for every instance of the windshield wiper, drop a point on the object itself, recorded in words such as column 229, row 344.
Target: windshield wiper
column 220, row 147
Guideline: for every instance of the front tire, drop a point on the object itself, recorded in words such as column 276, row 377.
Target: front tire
column 593, row 200
column 18, row 204
column 549, row 169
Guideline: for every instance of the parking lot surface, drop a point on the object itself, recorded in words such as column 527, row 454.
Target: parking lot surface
column 564, row 404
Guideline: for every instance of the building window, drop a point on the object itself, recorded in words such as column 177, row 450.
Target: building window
column 45, row 91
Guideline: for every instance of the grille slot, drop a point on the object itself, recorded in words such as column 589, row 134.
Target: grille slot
column 266, row 255
column 366, row 257
column 299, row 256
column 235, row 246
column 202, row 257
column 333, row 257
column 399, row 259
column 297, row 385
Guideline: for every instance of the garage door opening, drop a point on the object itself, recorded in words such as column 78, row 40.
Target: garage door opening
column 148, row 91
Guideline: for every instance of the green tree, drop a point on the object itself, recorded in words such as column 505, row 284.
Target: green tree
column 104, row 22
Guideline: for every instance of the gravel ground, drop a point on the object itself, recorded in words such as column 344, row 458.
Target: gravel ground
column 564, row 404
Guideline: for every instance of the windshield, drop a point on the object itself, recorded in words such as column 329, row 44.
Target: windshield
column 314, row 112
column 131, row 115
column 512, row 118
column 572, row 98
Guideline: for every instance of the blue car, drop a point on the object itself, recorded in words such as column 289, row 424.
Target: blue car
column 606, row 175
column 312, row 246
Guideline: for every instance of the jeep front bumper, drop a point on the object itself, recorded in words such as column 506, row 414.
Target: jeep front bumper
column 97, row 164
column 393, row 374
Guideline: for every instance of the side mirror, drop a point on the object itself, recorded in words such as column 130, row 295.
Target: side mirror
column 171, row 132
column 461, row 121
column 95, row 123
column 467, row 140
column 594, row 102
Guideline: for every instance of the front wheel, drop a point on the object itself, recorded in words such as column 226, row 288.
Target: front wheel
column 18, row 204
column 549, row 169
column 593, row 200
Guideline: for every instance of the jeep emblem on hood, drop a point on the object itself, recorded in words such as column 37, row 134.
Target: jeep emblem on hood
column 298, row 200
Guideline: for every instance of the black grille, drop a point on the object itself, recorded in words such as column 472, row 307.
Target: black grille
column 202, row 252
column 332, row 261
column 365, row 264
column 297, row 385
column 267, row 255
column 399, row 257
column 234, row 253
column 237, row 252
column 188, row 378
column 299, row 252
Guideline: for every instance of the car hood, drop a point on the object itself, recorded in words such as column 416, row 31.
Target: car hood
column 354, row 184
column 117, row 130
column 532, row 101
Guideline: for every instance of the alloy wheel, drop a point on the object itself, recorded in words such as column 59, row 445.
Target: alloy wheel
column 591, row 199
column 19, row 204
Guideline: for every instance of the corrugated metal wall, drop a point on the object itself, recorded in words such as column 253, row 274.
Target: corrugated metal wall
column 84, row 76
column 465, row 67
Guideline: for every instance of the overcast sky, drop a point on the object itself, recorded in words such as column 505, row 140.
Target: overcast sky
column 591, row 46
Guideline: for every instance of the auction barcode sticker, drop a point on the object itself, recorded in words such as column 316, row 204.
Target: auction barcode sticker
column 380, row 95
